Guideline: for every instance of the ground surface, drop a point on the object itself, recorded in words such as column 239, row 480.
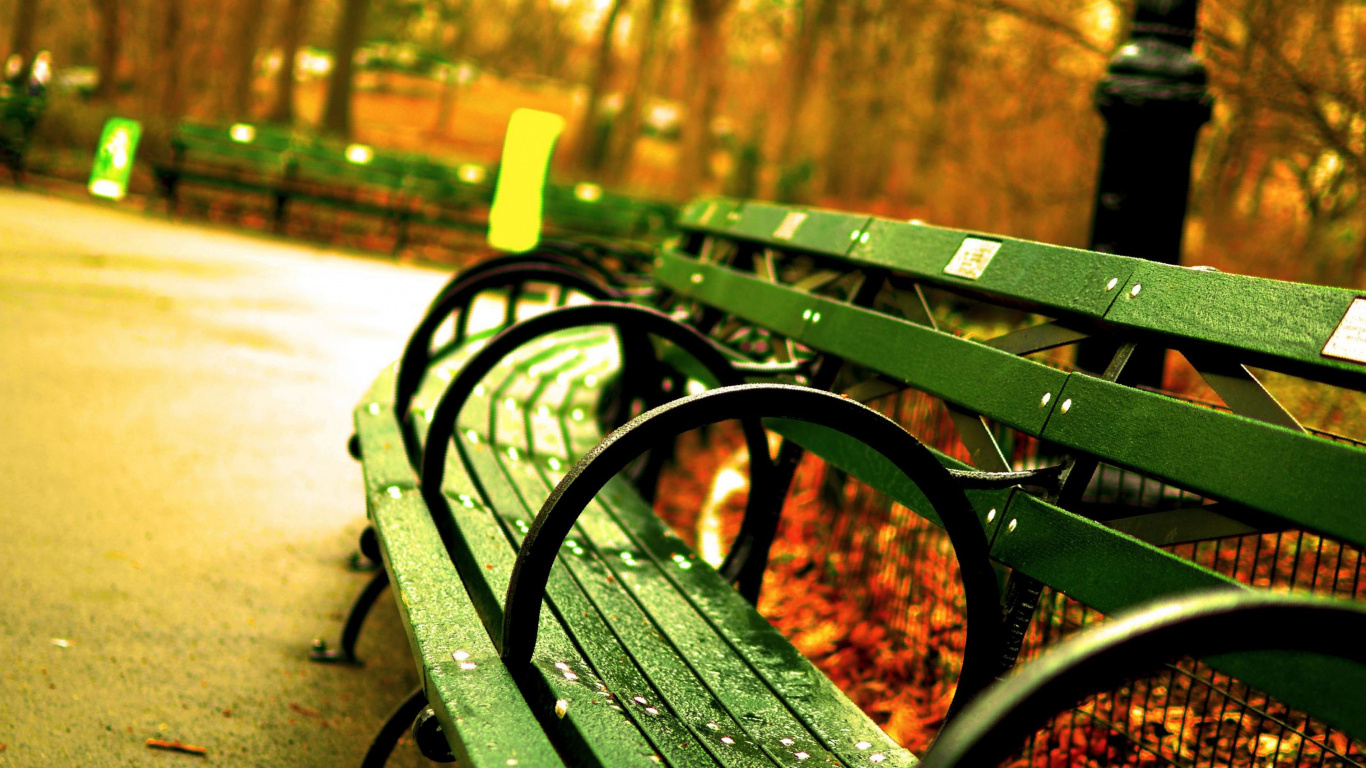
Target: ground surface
column 177, row 499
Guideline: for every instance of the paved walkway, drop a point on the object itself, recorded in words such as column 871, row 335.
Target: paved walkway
column 176, row 500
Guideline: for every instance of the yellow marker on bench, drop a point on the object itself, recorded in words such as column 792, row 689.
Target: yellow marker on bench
column 515, row 218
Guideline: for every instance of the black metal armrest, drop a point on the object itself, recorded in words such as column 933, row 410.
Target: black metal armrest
column 588, row 476
column 417, row 355
column 1228, row 621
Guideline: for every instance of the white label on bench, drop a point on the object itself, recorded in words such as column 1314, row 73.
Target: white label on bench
column 1348, row 342
column 972, row 258
column 788, row 227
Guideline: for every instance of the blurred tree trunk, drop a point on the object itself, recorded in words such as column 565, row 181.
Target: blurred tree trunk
column 107, row 12
column 706, row 66
column 167, row 97
column 246, row 34
column 950, row 57
column 626, row 125
column 337, row 111
column 292, row 26
column 455, row 38
column 21, row 37
column 592, row 150
column 815, row 16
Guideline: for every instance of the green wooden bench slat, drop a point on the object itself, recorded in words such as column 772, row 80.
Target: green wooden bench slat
column 673, row 686
column 826, row 232
column 1053, row 279
column 821, row 706
column 1112, row 572
column 1221, row 454
column 878, row 473
column 710, row 216
column 988, row 381
column 479, row 705
column 1278, row 325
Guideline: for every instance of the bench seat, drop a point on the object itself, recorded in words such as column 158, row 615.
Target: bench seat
column 646, row 654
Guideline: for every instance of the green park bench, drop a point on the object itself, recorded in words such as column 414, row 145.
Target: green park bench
column 556, row 620
column 240, row 158
column 397, row 187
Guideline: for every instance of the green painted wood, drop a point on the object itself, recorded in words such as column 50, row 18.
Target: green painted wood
column 595, row 729
column 670, row 687
column 830, row 233
column 1112, row 572
column 1308, row 481
column 478, row 706
column 572, row 616
column 873, row 469
column 980, row 378
column 816, row 701
column 1051, row 279
column 984, row 380
column 1266, row 323
column 710, row 216
column 772, row 306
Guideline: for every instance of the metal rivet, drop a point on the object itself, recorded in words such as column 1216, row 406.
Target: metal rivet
column 877, row 757
column 461, row 655
column 806, row 315
column 561, row 707
column 727, row 740
column 1010, row 527
column 733, row 215
column 816, row 318
column 1046, row 397
column 697, row 277
column 1134, row 291
column 854, row 235
column 393, row 491
column 864, row 238
column 786, row 742
column 1110, row 286
column 864, row 744
column 803, row 755
column 990, row 516
column 1067, row 405
column 467, row 665
column 374, row 409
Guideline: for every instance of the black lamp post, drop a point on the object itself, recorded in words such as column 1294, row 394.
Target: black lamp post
column 1154, row 100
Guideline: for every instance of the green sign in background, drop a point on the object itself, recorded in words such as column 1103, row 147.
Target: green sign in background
column 114, row 158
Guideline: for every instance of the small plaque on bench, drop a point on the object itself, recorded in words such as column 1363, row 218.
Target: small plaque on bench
column 972, row 258
column 1348, row 342
column 789, row 225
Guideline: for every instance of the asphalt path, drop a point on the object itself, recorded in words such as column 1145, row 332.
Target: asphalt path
column 176, row 500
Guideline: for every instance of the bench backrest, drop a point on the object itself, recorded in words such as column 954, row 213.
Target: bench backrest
column 780, row 278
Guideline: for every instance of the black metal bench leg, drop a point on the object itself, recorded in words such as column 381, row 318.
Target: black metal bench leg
column 367, row 557
column 347, row 653
column 393, row 729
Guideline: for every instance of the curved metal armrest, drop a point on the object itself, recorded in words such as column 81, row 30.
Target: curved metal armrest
column 583, row 482
column 640, row 320
column 1226, row 621
column 417, row 354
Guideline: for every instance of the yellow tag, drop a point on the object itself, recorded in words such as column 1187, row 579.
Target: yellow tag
column 515, row 218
